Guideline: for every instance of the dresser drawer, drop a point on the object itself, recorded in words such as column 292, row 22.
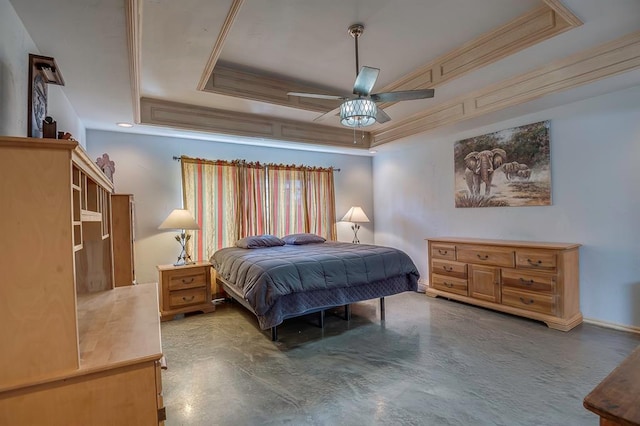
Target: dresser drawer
column 186, row 278
column 486, row 255
column 187, row 297
column 443, row 251
column 449, row 268
column 543, row 260
column 450, row 284
column 529, row 281
column 536, row 302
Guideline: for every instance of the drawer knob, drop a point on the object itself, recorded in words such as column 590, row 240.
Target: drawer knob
column 443, row 252
column 448, row 285
column 526, row 282
column 483, row 256
column 189, row 281
column 447, row 268
column 188, row 299
column 529, row 302
column 532, row 263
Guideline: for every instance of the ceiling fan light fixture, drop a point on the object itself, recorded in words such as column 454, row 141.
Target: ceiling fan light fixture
column 358, row 113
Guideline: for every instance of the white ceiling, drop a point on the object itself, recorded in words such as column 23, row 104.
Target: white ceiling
column 305, row 41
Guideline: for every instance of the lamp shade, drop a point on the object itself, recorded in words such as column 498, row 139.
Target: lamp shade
column 179, row 219
column 355, row 214
column 358, row 113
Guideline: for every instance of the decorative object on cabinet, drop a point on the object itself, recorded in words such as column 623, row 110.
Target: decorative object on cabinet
column 74, row 334
column 107, row 166
column 617, row 398
column 122, row 214
column 49, row 128
column 355, row 215
column 504, row 169
column 42, row 71
column 536, row 280
column 185, row 288
column 182, row 220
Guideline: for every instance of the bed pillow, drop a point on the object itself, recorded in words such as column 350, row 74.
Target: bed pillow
column 299, row 239
column 259, row 241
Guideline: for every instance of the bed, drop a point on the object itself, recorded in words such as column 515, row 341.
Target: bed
column 284, row 281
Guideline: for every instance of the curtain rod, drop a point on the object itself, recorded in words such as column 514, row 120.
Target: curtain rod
column 178, row 159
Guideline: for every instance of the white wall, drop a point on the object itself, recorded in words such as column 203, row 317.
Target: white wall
column 145, row 168
column 15, row 46
column 595, row 154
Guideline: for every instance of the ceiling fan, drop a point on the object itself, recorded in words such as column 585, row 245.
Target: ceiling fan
column 361, row 110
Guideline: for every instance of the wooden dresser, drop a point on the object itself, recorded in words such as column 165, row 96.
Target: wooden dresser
column 75, row 349
column 536, row 280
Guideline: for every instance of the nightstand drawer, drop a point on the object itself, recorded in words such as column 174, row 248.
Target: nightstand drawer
column 187, row 278
column 187, row 297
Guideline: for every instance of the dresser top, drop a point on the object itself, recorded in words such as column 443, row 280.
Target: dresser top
column 505, row 243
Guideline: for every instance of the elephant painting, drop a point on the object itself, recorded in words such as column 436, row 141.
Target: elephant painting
column 482, row 160
column 515, row 169
column 480, row 168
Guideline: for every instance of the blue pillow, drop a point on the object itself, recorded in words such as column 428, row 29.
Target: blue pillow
column 259, row 241
column 299, row 239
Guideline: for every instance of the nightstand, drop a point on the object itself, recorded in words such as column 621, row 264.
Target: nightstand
column 185, row 288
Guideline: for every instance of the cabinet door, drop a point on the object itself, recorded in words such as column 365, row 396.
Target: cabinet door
column 122, row 231
column 484, row 283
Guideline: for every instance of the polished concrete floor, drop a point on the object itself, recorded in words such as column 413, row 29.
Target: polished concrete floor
column 432, row 362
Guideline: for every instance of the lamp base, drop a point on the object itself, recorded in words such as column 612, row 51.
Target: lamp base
column 183, row 257
column 355, row 227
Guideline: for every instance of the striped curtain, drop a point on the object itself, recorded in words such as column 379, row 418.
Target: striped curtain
column 252, row 211
column 301, row 199
column 235, row 199
column 320, row 201
column 210, row 192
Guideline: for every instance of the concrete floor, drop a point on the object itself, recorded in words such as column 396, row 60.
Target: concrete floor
column 433, row 362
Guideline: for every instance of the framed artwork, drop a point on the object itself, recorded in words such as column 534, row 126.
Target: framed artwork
column 507, row 168
column 42, row 71
column 37, row 102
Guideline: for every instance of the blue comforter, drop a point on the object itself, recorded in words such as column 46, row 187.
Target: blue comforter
column 263, row 275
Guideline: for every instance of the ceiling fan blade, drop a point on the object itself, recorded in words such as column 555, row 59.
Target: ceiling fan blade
column 334, row 111
column 382, row 117
column 365, row 81
column 405, row 95
column 317, row 96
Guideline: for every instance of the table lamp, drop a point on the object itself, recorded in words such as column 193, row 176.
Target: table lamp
column 355, row 215
column 182, row 220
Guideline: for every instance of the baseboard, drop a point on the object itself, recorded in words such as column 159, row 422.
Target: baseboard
column 627, row 328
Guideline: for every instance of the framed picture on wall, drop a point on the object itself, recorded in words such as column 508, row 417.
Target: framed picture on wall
column 42, row 71
column 507, row 168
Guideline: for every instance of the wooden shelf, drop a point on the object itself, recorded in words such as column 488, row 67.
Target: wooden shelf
column 89, row 216
column 119, row 327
